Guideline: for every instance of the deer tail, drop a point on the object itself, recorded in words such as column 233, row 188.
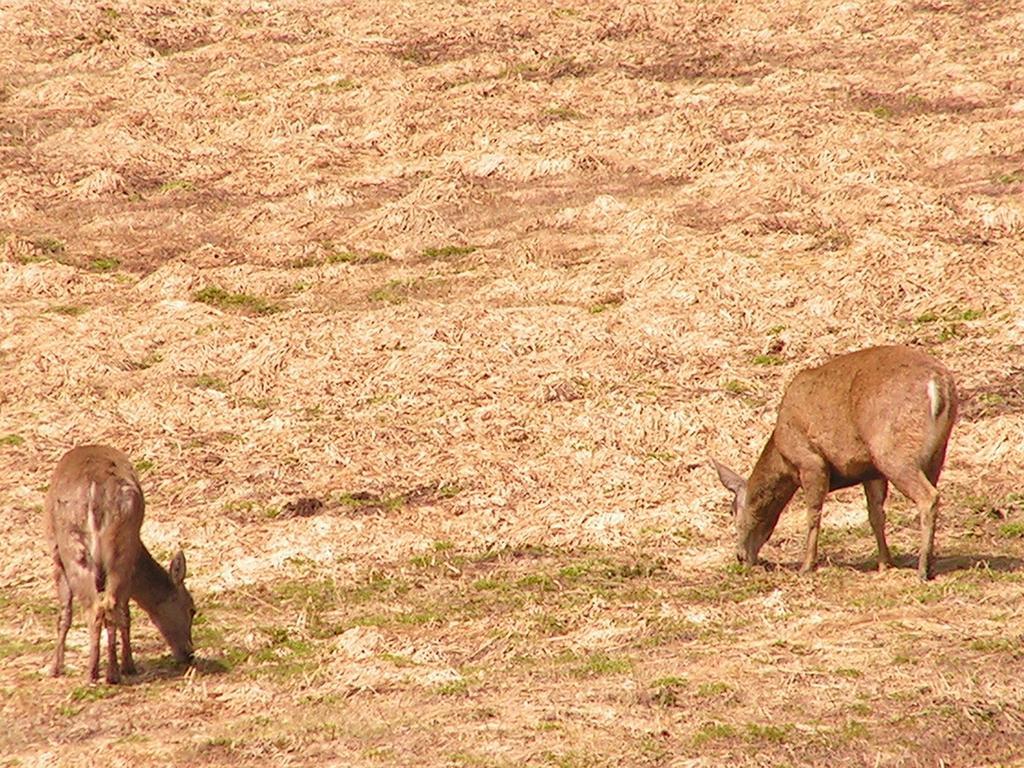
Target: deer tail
column 92, row 515
column 938, row 399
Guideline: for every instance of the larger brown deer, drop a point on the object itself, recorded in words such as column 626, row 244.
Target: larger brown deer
column 92, row 516
column 878, row 416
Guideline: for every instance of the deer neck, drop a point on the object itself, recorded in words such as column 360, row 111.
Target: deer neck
column 151, row 584
column 770, row 487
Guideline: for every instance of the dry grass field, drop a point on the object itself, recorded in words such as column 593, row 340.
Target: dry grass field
column 421, row 321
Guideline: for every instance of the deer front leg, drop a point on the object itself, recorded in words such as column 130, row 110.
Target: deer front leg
column 814, row 481
column 127, row 662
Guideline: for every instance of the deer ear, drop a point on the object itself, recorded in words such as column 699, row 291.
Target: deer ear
column 729, row 479
column 177, row 569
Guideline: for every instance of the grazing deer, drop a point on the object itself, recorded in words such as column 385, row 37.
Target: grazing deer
column 92, row 516
column 878, row 416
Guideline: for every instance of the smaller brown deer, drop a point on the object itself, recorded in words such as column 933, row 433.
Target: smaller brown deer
column 92, row 517
column 876, row 416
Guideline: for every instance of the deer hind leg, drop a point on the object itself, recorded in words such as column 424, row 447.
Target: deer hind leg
column 814, row 481
column 64, row 617
column 913, row 484
column 876, row 491
column 97, row 618
column 113, row 671
column 107, row 613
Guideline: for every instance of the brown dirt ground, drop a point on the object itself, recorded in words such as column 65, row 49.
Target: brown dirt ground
column 421, row 320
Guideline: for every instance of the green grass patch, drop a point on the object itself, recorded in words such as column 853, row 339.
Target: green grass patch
column 69, row 310
column 458, row 687
column 175, row 185
column 448, row 251
column 448, row 490
column 1014, row 530
column 397, row 659
column 343, row 257
column 392, row 292
column 738, row 584
column 541, row 581
column 316, row 593
column 12, row 440
column 108, row 264
column 713, row 732
column 767, row 360
column 752, row 733
column 206, row 381
column 350, row 257
column 670, row 681
column 977, row 503
column 283, row 656
column 953, row 315
column 570, row 759
column 713, row 689
column 151, row 359
column 562, row 113
column 420, row 617
column 338, row 85
column 366, row 501
column 606, row 569
column 375, row 586
column 93, row 692
column 422, row 561
column 665, row 690
column 737, row 387
column 335, row 254
column 830, row 239
column 216, row 296
column 996, row 645
column 144, row 465
column 488, row 584
column 606, row 302
column 443, row 554
column 280, row 644
column 466, row 759
column 15, row 647
column 991, row 398
column 525, row 69
column 853, row 730
column 778, row 734
column 549, row 625
column 663, row 457
column 599, row 664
